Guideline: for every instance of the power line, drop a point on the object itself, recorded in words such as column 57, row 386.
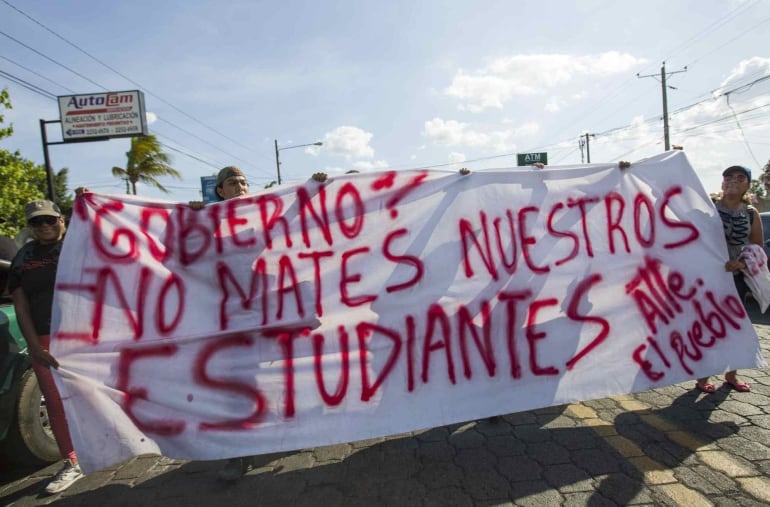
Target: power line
column 29, row 86
column 203, row 140
column 50, row 95
column 710, row 28
column 52, row 60
column 131, row 80
column 742, row 33
column 36, row 73
column 190, row 155
column 722, row 20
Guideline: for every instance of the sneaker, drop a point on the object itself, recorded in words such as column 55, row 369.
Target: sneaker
column 234, row 469
column 66, row 477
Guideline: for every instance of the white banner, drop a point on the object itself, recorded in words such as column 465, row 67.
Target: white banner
column 375, row 304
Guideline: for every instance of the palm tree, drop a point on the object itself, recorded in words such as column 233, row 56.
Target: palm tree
column 146, row 162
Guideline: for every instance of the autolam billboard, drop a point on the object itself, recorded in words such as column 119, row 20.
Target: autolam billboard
column 102, row 115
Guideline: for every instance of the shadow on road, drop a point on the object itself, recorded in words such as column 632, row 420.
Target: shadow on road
column 755, row 314
column 477, row 463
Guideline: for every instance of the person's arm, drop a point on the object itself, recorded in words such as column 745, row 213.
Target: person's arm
column 24, row 319
column 756, row 235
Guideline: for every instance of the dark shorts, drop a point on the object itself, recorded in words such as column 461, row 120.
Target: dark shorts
column 741, row 286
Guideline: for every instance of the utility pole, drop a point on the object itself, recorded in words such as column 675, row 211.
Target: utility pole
column 664, row 87
column 277, row 162
column 583, row 141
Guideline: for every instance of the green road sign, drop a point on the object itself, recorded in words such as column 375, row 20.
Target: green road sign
column 532, row 158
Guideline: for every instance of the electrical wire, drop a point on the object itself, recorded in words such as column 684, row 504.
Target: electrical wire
column 732, row 14
column 17, row 41
column 36, row 73
column 743, row 135
column 230, row 155
column 29, row 86
column 184, row 113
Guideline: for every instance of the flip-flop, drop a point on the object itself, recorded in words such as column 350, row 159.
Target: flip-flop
column 741, row 387
column 705, row 388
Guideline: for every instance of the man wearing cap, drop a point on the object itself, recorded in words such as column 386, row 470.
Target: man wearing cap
column 31, row 285
column 232, row 183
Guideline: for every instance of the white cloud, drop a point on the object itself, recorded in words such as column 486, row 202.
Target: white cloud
column 151, row 117
column 366, row 165
column 335, row 170
column 349, row 142
column 755, row 66
column 525, row 75
column 554, row 105
column 455, row 133
column 455, row 157
column 527, row 129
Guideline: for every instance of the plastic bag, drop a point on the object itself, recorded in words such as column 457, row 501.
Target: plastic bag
column 756, row 274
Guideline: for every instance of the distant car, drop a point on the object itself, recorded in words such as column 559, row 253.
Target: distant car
column 765, row 216
column 25, row 432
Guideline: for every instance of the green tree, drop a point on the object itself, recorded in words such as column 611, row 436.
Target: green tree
column 23, row 181
column 21, row 175
column 18, row 177
column 146, row 162
column 5, row 102
column 757, row 188
column 61, row 193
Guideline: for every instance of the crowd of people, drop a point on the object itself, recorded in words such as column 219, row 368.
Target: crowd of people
column 33, row 272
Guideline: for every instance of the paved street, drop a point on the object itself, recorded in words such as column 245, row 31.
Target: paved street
column 670, row 446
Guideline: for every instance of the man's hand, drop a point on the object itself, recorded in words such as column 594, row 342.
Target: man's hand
column 196, row 205
column 320, row 177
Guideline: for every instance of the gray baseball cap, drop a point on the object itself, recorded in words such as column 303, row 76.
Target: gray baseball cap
column 41, row 207
column 228, row 172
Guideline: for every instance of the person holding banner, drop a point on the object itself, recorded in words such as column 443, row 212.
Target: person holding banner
column 742, row 226
column 232, row 183
column 31, row 285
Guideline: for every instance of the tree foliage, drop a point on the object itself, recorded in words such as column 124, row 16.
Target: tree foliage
column 61, row 194
column 757, row 188
column 5, row 102
column 22, row 176
column 146, row 161
column 23, row 181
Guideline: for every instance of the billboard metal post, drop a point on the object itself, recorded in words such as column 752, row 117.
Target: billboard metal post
column 48, row 169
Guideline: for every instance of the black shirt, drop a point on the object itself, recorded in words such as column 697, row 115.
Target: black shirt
column 34, row 270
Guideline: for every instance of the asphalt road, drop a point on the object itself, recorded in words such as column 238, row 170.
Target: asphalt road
column 669, row 446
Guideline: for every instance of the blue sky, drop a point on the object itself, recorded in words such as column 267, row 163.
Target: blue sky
column 398, row 84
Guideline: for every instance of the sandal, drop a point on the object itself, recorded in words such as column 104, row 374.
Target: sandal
column 741, row 387
column 705, row 388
